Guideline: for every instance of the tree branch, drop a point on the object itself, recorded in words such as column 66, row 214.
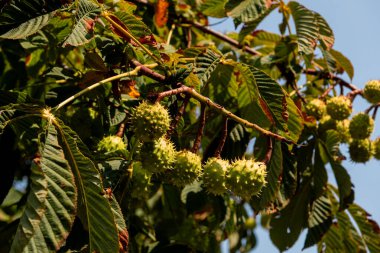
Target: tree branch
column 202, row 123
column 223, row 138
column 332, row 77
column 223, row 37
column 215, row 106
column 144, row 70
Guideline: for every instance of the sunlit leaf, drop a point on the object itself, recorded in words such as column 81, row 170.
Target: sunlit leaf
column 82, row 31
column 343, row 62
column 34, row 210
column 205, row 64
column 60, row 203
column 28, row 28
column 246, row 10
column 213, row 8
column 93, row 208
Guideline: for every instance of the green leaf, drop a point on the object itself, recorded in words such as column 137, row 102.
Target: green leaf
column 250, row 26
column 273, row 96
column 60, row 203
column 248, row 97
column 343, row 62
column 15, row 13
column 287, row 224
column 5, row 117
column 319, row 174
column 295, row 123
column 369, row 229
column 81, row 33
column 246, row 10
column 138, row 28
column 28, row 28
column 205, row 64
column 93, row 208
column 120, row 223
column 343, row 179
column 319, row 222
column 273, row 178
column 326, row 35
column 310, row 27
column 213, row 8
column 34, row 210
column 306, row 27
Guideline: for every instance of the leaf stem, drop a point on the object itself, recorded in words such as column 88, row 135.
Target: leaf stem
column 202, row 123
column 223, row 138
column 134, row 72
column 170, row 34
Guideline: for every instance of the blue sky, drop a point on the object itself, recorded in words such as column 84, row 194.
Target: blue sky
column 356, row 25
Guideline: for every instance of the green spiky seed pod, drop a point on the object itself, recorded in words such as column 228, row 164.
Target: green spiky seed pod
column 187, row 168
column 111, row 144
column 140, row 181
column 158, row 156
column 246, row 178
column 376, row 148
column 316, row 108
column 327, row 123
column 371, row 91
column 361, row 126
column 150, row 121
column 339, row 108
column 360, row 150
column 214, row 176
column 342, row 127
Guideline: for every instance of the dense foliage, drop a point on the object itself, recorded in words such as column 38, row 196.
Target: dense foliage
column 126, row 126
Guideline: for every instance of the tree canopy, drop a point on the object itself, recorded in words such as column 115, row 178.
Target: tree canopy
column 127, row 126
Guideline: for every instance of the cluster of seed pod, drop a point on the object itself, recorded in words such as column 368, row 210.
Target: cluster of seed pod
column 245, row 178
column 334, row 114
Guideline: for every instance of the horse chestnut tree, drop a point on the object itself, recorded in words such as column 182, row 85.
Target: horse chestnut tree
column 124, row 126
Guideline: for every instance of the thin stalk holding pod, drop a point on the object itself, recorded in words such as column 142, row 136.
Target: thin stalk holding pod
column 134, row 72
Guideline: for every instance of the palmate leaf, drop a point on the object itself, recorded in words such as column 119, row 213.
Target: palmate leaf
column 120, row 223
column 205, row 64
column 287, row 224
column 60, row 203
column 369, row 229
column 310, row 27
column 213, row 8
column 343, row 179
column 81, row 33
column 326, row 35
column 273, row 96
column 28, row 28
column 5, row 116
column 17, row 12
column 306, row 27
column 138, row 28
column 34, row 210
column 343, row 235
column 246, row 10
column 248, row 97
column 93, row 208
column 320, row 220
column 250, row 26
column 343, row 62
